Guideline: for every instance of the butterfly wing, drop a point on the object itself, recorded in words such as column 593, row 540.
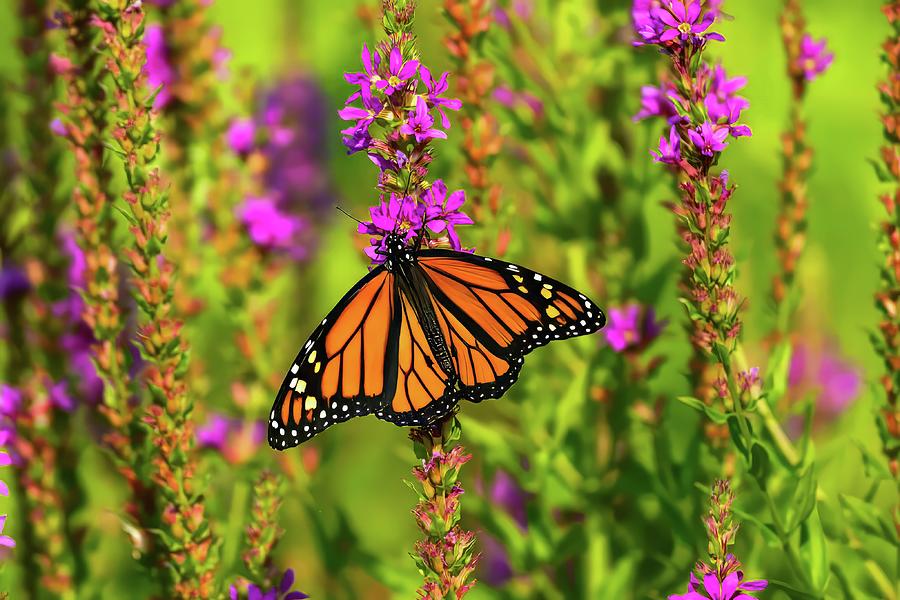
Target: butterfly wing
column 492, row 313
column 345, row 367
column 424, row 390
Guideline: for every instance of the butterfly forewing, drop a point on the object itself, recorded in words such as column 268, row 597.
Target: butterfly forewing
column 493, row 312
column 341, row 371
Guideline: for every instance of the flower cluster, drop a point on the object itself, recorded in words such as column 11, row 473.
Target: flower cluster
column 438, row 212
column 702, row 108
column 446, row 555
column 722, row 578
column 806, row 60
column 674, row 24
column 397, row 110
column 283, row 145
column 632, row 327
column 700, row 121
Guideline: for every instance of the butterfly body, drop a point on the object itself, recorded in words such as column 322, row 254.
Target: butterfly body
column 417, row 334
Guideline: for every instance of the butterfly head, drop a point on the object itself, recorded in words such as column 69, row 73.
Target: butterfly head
column 397, row 251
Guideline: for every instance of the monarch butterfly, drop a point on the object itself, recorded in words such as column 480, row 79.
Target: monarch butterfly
column 422, row 331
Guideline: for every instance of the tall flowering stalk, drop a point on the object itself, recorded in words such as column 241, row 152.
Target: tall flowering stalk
column 475, row 83
column 702, row 110
column 183, row 533
column 446, row 557
column 806, row 60
column 84, row 123
column 888, row 344
column 40, row 422
column 721, row 578
column 402, row 111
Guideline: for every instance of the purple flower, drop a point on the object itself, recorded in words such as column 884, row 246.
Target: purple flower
column 747, row 379
column 419, row 124
column 836, row 382
column 241, row 135
column 684, row 20
column 814, row 57
column 435, row 89
column 57, row 127
column 722, row 102
column 442, row 211
column 506, row 493
column 10, row 401
column 357, row 137
column 646, row 24
column 399, row 72
column 237, row 440
column 732, row 587
column 58, row 394
column 159, row 72
column 632, row 327
column 401, row 215
column 5, row 540
column 669, row 150
column 656, row 102
column 267, row 225
column 511, row 99
column 13, row 282
column 494, row 563
column 708, row 138
column 371, row 62
column 282, row 592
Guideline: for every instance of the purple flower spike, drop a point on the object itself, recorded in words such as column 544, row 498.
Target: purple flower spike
column 399, row 72
column 268, row 227
column 14, row 282
column 814, row 57
column 669, row 150
column 443, row 212
column 420, row 124
column 655, row 102
column 435, row 89
column 709, row 139
column 159, row 71
column 5, row 540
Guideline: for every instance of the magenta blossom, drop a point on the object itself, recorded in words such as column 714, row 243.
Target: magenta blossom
column 708, row 138
column 435, row 89
column 369, row 77
column 684, row 21
column 399, row 72
column 814, row 57
column 732, row 587
column 656, row 102
column 159, row 71
column 669, row 150
column 632, row 327
column 722, row 102
column 267, row 226
column 443, row 212
column 237, row 440
column 241, row 135
column 420, row 124
column 398, row 215
column 837, row 382
column 282, row 592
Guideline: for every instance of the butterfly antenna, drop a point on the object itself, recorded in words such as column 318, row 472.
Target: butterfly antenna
column 347, row 214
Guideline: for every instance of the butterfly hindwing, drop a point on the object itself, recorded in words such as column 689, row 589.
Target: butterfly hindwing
column 342, row 370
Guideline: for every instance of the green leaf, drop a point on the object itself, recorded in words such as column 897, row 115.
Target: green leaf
column 716, row 416
column 868, row 518
column 759, row 464
column 873, row 463
column 791, row 591
column 815, row 550
column 767, row 531
column 804, row 500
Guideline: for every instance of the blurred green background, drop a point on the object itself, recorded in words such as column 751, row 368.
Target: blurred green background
column 368, row 459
